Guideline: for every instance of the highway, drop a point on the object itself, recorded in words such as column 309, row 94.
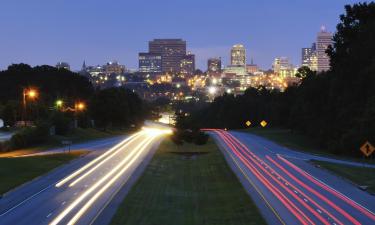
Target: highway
column 78, row 192
column 289, row 190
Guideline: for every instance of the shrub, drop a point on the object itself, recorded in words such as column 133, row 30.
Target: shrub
column 29, row 136
column 200, row 138
column 61, row 123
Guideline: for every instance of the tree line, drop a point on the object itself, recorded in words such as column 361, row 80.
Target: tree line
column 58, row 91
column 336, row 107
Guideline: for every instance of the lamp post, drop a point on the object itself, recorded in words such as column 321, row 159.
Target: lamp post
column 28, row 93
column 78, row 107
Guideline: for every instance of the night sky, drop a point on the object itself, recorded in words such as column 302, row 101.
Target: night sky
column 46, row 31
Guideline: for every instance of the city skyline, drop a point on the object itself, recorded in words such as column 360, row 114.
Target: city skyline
column 36, row 35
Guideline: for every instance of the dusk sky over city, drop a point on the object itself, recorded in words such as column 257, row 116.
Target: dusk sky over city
column 193, row 112
column 45, row 32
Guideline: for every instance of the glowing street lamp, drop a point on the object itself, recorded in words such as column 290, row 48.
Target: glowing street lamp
column 59, row 103
column 28, row 93
column 80, row 106
column 212, row 90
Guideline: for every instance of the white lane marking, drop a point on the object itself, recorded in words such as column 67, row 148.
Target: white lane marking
column 319, row 211
column 27, row 199
column 305, row 200
column 49, row 215
column 63, row 203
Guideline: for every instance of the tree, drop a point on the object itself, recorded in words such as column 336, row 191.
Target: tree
column 305, row 72
column 116, row 107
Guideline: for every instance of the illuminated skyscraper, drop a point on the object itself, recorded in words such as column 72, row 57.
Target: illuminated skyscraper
column 214, row 65
column 238, row 55
column 188, row 64
column 309, row 58
column 172, row 51
column 324, row 39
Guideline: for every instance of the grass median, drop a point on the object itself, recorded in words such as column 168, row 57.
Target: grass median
column 187, row 184
column 359, row 175
column 16, row 171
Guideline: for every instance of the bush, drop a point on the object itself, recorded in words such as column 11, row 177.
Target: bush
column 29, row 136
column 200, row 138
column 61, row 123
column 196, row 137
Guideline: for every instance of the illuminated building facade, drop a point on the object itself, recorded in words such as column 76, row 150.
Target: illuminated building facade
column 324, row 39
column 309, row 58
column 238, row 55
column 187, row 65
column 214, row 66
column 172, row 51
column 150, row 63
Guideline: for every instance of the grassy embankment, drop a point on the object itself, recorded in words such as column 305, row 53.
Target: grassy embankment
column 16, row 171
column 358, row 175
column 187, row 184
column 77, row 136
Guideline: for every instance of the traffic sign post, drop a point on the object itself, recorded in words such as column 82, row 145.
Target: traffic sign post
column 367, row 149
column 263, row 123
column 67, row 143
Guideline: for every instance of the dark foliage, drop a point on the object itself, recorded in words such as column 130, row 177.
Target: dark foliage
column 117, row 107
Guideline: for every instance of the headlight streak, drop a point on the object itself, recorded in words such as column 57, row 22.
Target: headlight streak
column 102, row 162
column 77, row 172
column 88, row 204
column 99, row 182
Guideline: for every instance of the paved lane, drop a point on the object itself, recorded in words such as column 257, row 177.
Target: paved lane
column 82, row 193
column 290, row 190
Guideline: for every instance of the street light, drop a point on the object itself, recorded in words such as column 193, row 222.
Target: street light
column 59, row 103
column 80, row 106
column 28, row 93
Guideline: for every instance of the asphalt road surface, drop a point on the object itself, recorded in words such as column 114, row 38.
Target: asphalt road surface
column 78, row 192
column 289, row 190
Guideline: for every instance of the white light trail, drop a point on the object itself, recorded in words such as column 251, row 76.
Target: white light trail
column 98, row 183
column 102, row 162
column 77, row 172
column 78, row 215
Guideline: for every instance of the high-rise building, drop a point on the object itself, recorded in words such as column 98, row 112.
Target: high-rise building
column 63, row 65
column 280, row 63
column 324, row 39
column 187, row 66
column 214, row 65
column 150, row 63
column 238, row 55
column 172, row 51
column 309, row 58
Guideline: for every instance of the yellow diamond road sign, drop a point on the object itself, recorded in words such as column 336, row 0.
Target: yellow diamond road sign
column 248, row 123
column 263, row 123
column 367, row 149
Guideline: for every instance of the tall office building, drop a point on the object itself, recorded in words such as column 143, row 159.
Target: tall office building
column 187, row 65
column 280, row 63
column 63, row 65
column 150, row 63
column 324, row 39
column 238, row 55
column 214, row 65
column 309, row 58
column 172, row 51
